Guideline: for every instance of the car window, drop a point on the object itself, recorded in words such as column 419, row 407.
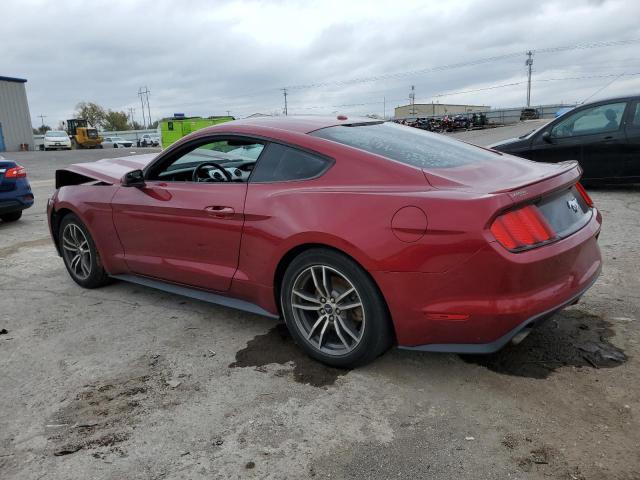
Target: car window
column 594, row 120
column 237, row 157
column 407, row 145
column 280, row 163
column 635, row 120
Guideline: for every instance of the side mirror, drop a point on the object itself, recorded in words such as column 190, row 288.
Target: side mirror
column 133, row 179
column 546, row 136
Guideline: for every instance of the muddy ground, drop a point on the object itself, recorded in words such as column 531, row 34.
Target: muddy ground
column 128, row 382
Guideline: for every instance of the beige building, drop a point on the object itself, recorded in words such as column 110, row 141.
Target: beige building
column 436, row 109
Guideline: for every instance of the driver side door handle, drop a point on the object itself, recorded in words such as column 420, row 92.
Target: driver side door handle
column 220, row 211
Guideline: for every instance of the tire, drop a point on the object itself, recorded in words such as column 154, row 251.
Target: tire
column 353, row 336
column 11, row 217
column 88, row 271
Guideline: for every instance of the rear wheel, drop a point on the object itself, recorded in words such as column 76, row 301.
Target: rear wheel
column 334, row 310
column 80, row 254
column 11, row 217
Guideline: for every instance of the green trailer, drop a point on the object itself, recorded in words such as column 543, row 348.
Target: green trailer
column 176, row 127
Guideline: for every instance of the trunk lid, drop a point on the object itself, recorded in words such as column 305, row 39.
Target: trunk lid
column 502, row 174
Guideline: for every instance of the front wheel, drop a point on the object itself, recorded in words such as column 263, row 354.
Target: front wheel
column 334, row 310
column 80, row 254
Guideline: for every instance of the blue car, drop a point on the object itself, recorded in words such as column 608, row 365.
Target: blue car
column 15, row 191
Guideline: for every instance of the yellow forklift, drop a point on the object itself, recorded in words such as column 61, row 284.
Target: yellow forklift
column 83, row 136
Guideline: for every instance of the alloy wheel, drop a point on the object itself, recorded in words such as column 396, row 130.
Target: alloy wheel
column 328, row 310
column 77, row 251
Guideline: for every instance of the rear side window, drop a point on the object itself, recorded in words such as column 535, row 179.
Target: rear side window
column 635, row 120
column 407, row 145
column 280, row 163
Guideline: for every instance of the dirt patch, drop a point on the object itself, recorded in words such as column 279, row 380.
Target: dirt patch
column 571, row 338
column 103, row 414
column 277, row 346
column 5, row 252
column 532, row 456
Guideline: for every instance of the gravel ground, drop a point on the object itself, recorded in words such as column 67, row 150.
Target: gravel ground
column 128, row 382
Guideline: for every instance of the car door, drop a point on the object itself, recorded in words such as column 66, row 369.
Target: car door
column 552, row 149
column 632, row 153
column 601, row 131
column 593, row 135
column 185, row 231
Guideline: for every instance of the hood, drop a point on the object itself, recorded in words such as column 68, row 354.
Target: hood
column 501, row 174
column 111, row 170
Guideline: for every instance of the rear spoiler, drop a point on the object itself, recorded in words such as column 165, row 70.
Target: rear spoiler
column 567, row 166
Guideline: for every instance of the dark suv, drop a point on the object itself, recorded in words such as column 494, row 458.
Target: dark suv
column 603, row 136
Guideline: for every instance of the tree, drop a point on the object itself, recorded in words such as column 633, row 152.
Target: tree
column 92, row 113
column 153, row 125
column 115, row 121
column 136, row 126
column 41, row 130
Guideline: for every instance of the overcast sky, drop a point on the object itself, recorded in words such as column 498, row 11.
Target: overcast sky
column 207, row 57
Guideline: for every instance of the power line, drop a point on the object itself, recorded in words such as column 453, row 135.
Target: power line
column 479, row 61
column 602, row 88
column 482, row 89
column 269, row 91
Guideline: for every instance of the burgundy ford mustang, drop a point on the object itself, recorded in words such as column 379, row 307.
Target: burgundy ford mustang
column 359, row 233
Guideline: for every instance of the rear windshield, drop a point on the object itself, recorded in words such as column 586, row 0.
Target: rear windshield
column 407, row 145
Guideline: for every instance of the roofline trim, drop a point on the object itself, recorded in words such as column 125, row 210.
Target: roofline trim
column 13, row 79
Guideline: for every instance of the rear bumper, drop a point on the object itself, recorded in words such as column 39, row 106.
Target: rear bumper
column 494, row 346
column 480, row 305
column 17, row 199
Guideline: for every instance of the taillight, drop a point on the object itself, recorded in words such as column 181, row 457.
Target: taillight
column 16, row 172
column 522, row 228
column 584, row 194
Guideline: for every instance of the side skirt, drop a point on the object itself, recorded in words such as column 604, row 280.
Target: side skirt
column 197, row 294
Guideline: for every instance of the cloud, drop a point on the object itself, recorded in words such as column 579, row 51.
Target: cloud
column 204, row 57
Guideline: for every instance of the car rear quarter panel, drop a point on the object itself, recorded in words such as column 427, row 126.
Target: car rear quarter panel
column 350, row 208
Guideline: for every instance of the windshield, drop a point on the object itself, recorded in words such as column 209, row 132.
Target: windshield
column 56, row 133
column 407, row 145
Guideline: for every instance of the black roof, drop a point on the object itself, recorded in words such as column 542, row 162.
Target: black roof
column 13, row 79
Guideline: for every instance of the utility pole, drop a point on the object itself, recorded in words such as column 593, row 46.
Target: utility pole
column 131, row 112
column 140, row 94
column 144, row 99
column 284, row 91
column 42, row 117
column 412, row 97
column 529, row 63
column 384, row 108
column 147, row 92
column 228, row 113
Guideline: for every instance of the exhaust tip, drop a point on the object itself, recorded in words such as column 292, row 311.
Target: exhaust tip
column 521, row 335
